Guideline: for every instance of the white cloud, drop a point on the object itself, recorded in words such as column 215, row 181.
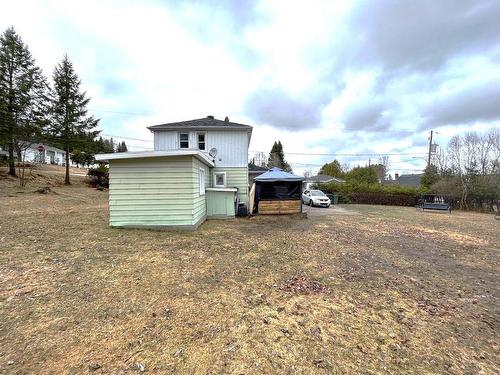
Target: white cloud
column 325, row 69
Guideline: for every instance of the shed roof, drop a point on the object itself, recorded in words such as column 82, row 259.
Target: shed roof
column 276, row 174
column 155, row 154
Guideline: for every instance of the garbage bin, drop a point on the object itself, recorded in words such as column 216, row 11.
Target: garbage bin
column 335, row 199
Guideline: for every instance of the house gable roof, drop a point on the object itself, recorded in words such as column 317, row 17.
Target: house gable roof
column 252, row 168
column 323, row 178
column 409, row 180
column 208, row 122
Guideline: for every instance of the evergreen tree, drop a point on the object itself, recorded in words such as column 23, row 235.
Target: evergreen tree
column 103, row 146
column 23, row 94
column 430, row 176
column 121, row 147
column 71, row 126
column 277, row 158
column 85, row 158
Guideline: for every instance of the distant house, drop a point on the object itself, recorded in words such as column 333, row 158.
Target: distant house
column 254, row 171
column 406, row 180
column 41, row 153
column 320, row 179
column 198, row 170
column 49, row 154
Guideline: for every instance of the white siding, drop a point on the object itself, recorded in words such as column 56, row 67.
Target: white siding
column 166, row 140
column 231, row 145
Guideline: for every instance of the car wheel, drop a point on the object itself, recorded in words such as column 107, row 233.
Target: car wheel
column 311, row 203
column 328, row 206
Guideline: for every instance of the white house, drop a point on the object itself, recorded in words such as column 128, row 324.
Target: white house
column 48, row 155
column 320, row 179
column 227, row 140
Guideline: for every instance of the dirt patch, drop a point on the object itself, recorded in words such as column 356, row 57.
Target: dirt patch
column 303, row 285
column 332, row 210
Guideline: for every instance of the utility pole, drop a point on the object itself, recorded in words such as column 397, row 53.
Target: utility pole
column 430, row 149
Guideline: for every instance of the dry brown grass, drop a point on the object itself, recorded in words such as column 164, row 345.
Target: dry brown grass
column 404, row 292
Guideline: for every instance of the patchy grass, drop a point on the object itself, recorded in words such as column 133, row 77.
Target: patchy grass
column 389, row 290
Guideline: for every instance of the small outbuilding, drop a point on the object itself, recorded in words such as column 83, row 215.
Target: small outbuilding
column 277, row 192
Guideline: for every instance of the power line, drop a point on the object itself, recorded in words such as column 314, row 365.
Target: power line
column 342, row 154
column 126, row 113
column 143, row 148
column 295, row 153
column 132, row 139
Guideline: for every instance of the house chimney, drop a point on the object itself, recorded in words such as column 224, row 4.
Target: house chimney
column 396, row 176
column 226, row 120
column 210, row 117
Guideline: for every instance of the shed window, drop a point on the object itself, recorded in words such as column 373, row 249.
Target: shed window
column 201, row 141
column 183, row 140
column 202, row 181
column 220, row 179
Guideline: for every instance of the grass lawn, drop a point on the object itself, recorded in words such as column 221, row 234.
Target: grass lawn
column 392, row 291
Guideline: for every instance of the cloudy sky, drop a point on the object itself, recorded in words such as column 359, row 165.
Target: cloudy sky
column 324, row 77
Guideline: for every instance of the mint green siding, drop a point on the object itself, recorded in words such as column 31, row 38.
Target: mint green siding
column 156, row 192
column 220, row 204
column 199, row 202
column 235, row 177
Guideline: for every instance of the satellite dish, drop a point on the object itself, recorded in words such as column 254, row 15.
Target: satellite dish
column 213, row 152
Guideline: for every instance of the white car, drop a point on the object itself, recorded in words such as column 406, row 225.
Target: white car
column 315, row 198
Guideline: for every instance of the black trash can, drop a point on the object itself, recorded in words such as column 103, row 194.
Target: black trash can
column 242, row 210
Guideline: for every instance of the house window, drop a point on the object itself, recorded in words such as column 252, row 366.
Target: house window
column 183, row 140
column 220, row 179
column 201, row 141
column 201, row 176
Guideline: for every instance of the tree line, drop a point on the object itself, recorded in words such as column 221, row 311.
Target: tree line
column 371, row 174
column 468, row 169
column 34, row 109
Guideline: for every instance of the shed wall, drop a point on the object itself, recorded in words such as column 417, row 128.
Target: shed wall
column 155, row 192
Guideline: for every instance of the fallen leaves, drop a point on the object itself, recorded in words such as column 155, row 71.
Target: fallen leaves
column 303, row 285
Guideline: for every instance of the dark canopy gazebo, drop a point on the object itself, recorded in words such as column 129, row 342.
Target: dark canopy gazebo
column 278, row 192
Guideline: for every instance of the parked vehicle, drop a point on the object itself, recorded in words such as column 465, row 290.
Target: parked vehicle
column 315, row 198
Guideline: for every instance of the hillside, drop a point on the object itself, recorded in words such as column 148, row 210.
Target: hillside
column 38, row 176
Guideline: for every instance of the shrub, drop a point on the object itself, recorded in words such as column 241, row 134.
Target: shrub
column 99, row 177
column 363, row 175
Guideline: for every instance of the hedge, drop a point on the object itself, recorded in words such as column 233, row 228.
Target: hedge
column 395, row 195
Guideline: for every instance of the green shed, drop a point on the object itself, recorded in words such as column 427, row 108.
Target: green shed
column 160, row 189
